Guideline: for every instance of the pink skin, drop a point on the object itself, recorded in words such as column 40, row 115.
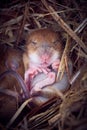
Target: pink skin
column 34, row 70
column 42, row 67
column 55, row 65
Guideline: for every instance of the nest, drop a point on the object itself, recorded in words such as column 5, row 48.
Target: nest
column 68, row 18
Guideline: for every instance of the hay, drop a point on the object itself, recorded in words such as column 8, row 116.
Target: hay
column 68, row 18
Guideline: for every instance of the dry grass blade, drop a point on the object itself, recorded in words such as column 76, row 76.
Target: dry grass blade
column 78, row 73
column 81, row 26
column 12, row 21
column 54, row 119
column 18, row 112
column 42, row 118
column 63, row 62
column 23, row 23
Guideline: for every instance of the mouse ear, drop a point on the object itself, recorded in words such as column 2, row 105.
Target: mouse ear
column 13, row 64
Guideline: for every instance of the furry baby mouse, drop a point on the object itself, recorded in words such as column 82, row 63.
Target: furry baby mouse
column 41, row 60
column 10, row 87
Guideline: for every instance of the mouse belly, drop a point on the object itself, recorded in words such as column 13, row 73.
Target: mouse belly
column 42, row 90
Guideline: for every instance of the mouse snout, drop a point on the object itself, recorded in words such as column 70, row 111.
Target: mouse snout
column 45, row 52
column 45, row 57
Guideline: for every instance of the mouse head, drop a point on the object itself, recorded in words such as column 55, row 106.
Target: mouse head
column 44, row 46
column 14, row 60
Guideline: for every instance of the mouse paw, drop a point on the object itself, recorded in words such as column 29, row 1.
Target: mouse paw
column 55, row 65
column 32, row 72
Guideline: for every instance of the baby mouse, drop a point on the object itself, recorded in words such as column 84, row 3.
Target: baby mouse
column 41, row 61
